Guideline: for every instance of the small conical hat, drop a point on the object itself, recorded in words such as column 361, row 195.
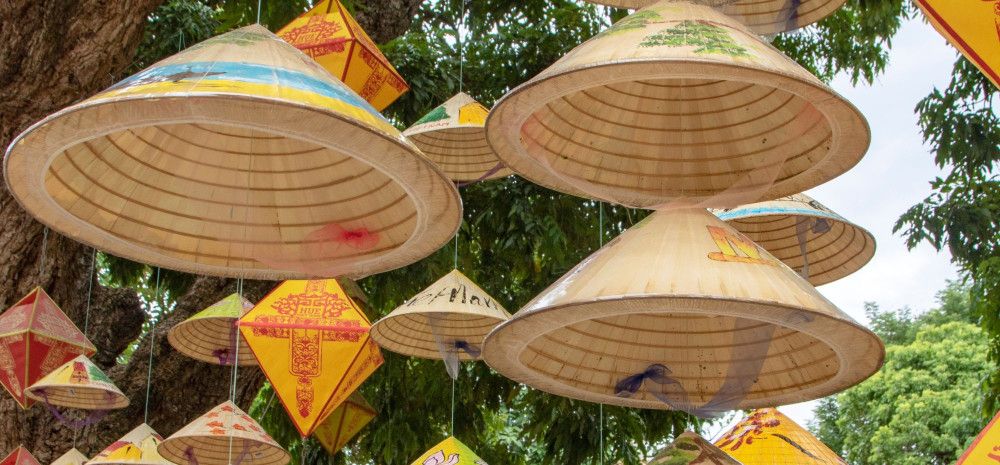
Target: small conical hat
column 138, row 447
column 78, row 384
column 211, row 335
column 768, row 437
column 834, row 247
column 71, row 457
column 19, row 456
column 453, row 136
column 677, row 101
column 239, row 156
column 762, row 16
column 691, row 449
column 688, row 293
column 223, row 436
column 452, row 309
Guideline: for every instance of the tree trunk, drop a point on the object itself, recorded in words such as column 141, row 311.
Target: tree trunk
column 54, row 53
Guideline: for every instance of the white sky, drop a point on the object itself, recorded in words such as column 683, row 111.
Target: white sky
column 893, row 176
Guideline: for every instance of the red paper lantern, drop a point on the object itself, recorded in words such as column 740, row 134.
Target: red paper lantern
column 36, row 337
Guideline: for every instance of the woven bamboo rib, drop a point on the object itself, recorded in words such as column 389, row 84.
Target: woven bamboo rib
column 229, row 175
column 656, row 295
column 832, row 255
column 199, row 338
column 452, row 309
column 762, row 16
column 644, row 113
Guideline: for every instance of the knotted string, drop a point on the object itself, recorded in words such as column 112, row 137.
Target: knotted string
column 92, row 417
column 496, row 168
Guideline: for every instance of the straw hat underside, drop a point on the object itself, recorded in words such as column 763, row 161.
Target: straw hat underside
column 763, row 16
column 201, row 337
column 597, row 344
column 81, row 397
column 832, row 255
column 462, row 153
column 412, row 334
column 216, row 451
column 639, row 136
column 176, row 193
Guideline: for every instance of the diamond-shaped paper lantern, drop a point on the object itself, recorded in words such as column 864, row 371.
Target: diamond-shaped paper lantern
column 312, row 342
column 768, row 437
column 223, row 436
column 210, row 335
column 71, row 457
column 451, row 451
column 36, row 337
column 344, row 423
column 138, row 447
column 78, row 384
column 20, row 456
column 330, row 35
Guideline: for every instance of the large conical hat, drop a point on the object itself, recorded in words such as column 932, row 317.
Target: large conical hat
column 684, row 300
column 768, row 437
column 225, row 435
column 71, row 457
column 677, row 101
column 138, row 447
column 451, row 315
column 762, row 16
column 239, row 156
column 691, row 449
column 78, row 384
column 453, row 136
column 805, row 235
column 19, row 456
column 211, row 335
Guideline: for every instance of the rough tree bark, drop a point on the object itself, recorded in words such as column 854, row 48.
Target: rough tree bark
column 53, row 53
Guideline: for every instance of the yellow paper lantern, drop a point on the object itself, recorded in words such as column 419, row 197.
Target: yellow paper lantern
column 344, row 423
column 330, row 35
column 312, row 342
column 768, row 437
column 451, row 451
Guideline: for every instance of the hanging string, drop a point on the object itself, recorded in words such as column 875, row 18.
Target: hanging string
column 41, row 257
column 90, row 290
column 600, row 224
column 258, row 11
column 152, row 340
column 236, row 357
column 600, row 407
column 601, row 432
column 461, row 49
column 452, row 407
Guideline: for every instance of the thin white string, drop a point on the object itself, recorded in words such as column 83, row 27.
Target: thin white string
column 601, row 429
column 452, row 407
column 600, row 241
column 461, row 49
column 90, row 290
column 41, row 258
column 258, row 11
column 152, row 340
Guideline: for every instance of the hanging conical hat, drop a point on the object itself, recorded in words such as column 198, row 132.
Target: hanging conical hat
column 677, row 101
column 225, row 435
column 454, row 138
column 138, row 447
column 239, row 156
column 452, row 310
column 71, row 457
column 682, row 292
column 768, row 437
column 211, row 335
column 762, row 16
column 799, row 230
column 691, row 449
column 78, row 384
column 19, row 456
column 451, row 451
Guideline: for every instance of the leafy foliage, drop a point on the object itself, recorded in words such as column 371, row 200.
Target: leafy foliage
column 921, row 408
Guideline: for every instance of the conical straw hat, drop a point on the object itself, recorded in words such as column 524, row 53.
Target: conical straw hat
column 19, row 456
column 138, row 447
column 71, row 457
column 452, row 310
column 241, row 157
column 211, row 335
column 691, row 449
column 78, row 384
column 768, row 437
column 682, row 292
column 761, row 16
column 453, row 136
column 677, row 101
column 225, row 435
column 805, row 235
